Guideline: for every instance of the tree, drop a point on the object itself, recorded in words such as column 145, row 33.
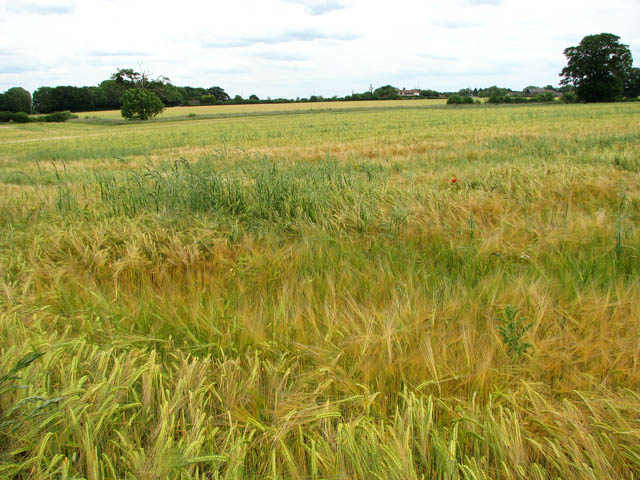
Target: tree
column 219, row 93
column 386, row 92
column 15, row 100
column 208, row 99
column 140, row 104
column 111, row 92
column 494, row 91
column 598, row 68
column 128, row 78
column 170, row 95
column 58, row 99
column 632, row 85
column 429, row 93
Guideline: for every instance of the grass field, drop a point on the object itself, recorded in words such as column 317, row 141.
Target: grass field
column 310, row 296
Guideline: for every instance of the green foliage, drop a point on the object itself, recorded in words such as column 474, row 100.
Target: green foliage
column 208, row 99
column 515, row 99
column 16, row 100
column 497, row 100
column 219, row 93
column 58, row 117
column 569, row 97
column 21, row 117
column 140, row 104
column 460, row 100
column 598, row 68
column 493, row 91
column 170, row 95
column 109, row 93
column 544, row 97
column 429, row 93
column 75, row 99
column 632, row 84
column 386, row 92
column 129, row 78
column 512, row 330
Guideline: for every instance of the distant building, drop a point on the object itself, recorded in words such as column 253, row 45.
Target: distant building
column 409, row 93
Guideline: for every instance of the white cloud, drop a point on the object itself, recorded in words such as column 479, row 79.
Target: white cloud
column 299, row 47
column 320, row 7
column 42, row 7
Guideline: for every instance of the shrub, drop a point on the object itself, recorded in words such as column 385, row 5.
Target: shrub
column 545, row 97
column 467, row 100
column 6, row 116
column 569, row 97
column 208, row 99
column 454, row 100
column 21, row 117
column 496, row 99
column 59, row 116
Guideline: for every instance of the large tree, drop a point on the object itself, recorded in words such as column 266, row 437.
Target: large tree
column 15, row 100
column 386, row 92
column 140, row 104
column 110, row 93
column 632, row 85
column 219, row 93
column 598, row 68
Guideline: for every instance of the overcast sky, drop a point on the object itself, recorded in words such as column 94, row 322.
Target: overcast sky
column 290, row 48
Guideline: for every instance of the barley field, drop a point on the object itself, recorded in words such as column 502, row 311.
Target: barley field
column 310, row 295
column 259, row 108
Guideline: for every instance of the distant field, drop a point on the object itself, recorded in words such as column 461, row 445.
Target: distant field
column 311, row 296
column 275, row 107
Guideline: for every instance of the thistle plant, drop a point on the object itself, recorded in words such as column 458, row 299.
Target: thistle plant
column 512, row 329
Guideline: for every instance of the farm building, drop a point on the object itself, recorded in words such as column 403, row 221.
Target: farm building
column 409, row 93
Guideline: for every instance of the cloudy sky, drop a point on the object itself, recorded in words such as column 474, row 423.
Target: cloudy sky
column 293, row 48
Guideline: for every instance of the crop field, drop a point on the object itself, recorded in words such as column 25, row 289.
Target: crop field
column 206, row 110
column 309, row 295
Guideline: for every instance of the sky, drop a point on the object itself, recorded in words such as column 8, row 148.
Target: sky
column 298, row 48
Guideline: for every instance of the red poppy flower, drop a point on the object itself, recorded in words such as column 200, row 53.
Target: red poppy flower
column 454, row 180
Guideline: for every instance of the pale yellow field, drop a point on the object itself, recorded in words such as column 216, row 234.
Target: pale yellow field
column 274, row 107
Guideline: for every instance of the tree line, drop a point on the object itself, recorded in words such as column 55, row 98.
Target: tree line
column 108, row 94
column 599, row 69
